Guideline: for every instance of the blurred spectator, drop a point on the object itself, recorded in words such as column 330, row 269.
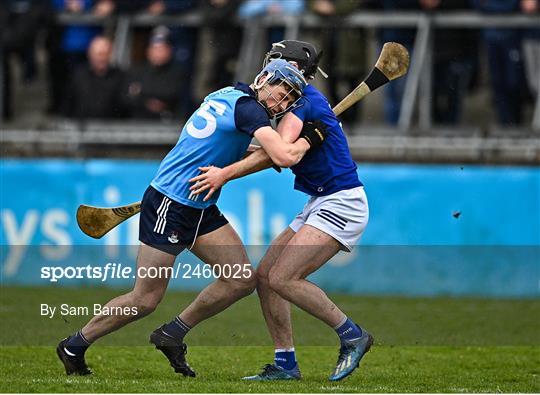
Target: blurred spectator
column 505, row 60
column 76, row 38
column 253, row 8
column 154, row 88
column 224, row 42
column 183, row 39
column 405, row 36
column 104, row 8
column 95, row 89
column 455, row 60
column 20, row 21
column 531, row 47
column 259, row 8
column 69, row 43
column 344, row 63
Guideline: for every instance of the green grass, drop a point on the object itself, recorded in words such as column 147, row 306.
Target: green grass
column 385, row 369
column 422, row 345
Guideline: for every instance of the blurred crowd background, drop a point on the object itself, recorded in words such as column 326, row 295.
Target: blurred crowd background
column 67, row 66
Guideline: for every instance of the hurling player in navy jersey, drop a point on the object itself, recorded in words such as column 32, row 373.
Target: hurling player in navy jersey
column 333, row 219
column 173, row 218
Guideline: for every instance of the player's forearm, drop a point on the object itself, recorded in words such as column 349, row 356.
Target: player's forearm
column 257, row 161
column 282, row 153
column 289, row 154
column 300, row 147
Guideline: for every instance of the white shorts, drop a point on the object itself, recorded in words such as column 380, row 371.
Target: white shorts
column 342, row 215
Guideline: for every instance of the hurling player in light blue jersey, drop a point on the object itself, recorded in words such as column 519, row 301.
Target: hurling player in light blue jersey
column 333, row 219
column 173, row 218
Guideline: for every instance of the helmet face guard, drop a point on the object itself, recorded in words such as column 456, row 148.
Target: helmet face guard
column 280, row 73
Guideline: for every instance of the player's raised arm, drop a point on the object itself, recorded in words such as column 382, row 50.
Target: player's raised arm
column 285, row 154
column 212, row 178
column 277, row 88
column 290, row 127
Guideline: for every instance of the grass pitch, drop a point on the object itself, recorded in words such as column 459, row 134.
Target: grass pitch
column 421, row 345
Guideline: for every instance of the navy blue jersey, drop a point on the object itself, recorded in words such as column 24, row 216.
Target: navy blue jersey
column 217, row 134
column 330, row 168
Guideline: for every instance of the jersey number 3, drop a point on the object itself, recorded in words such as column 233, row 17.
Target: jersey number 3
column 211, row 124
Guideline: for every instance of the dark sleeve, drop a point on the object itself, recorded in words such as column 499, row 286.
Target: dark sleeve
column 249, row 115
column 302, row 109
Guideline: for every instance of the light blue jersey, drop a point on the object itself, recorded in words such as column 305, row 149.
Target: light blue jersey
column 210, row 137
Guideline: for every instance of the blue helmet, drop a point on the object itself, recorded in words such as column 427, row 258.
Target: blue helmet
column 281, row 70
column 278, row 72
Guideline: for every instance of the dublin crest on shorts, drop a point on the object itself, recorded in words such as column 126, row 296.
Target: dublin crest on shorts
column 173, row 238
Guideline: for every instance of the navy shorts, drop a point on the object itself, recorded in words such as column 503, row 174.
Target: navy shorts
column 170, row 226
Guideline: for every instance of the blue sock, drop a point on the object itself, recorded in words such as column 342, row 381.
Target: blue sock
column 348, row 330
column 77, row 344
column 176, row 329
column 285, row 358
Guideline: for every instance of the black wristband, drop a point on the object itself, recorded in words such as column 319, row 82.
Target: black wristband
column 314, row 133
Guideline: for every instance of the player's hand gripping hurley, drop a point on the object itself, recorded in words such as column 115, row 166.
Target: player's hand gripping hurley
column 393, row 63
